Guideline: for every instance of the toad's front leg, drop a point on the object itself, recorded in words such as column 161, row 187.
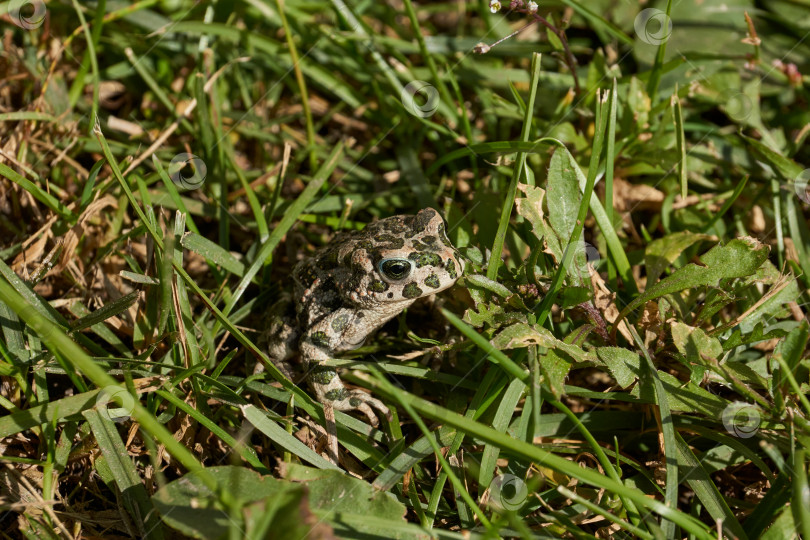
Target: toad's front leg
column 329, row 388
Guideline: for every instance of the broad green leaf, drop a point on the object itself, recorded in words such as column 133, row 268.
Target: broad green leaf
column 285, row 515
column 624, row 365
column 743, row 107
column 639, row 104
column 788, row 168
column 772, row 305
column 488, row 284
column 792, row 347
column 687, row 397
column 492, row 314
column 662, row 252
column 737, row 338
column 332, row 493
column 739, row 258
column 782, row 527
column 555, row 368
column 695, row 344
column 531, row 207
column 190, row 507
column 563, row 198
column 744, row 373
column 523, row 335
column 494, row 355
column 788, row 354
column 573, row 296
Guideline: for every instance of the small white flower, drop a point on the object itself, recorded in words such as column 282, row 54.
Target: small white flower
column 532, row 7
column 481, row 48
column 494, row 6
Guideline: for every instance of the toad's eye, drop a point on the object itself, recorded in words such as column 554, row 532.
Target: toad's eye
column 396, row 269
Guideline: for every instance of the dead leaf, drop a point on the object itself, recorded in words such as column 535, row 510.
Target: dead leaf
column 629, row 197
column 30, row 255
column 124, row 126
column 651, row 323
column 72, row 237
column 605, row 301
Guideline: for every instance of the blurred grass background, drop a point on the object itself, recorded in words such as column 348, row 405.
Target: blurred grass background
column 247, row 132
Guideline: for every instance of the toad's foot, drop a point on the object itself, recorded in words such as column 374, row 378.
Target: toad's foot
column 357, row 400
column 330, row 390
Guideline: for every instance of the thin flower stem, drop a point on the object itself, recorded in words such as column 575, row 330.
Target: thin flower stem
column 518, row 7
column 516, row 32
column 569, row 56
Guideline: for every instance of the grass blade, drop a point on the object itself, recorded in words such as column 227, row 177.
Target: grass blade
column 133, row 492
column 517, row 171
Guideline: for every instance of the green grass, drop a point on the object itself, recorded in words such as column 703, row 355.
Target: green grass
column 626, row 355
